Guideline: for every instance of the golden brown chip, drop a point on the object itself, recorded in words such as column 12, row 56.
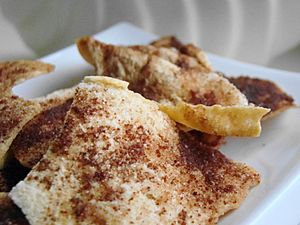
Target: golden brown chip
column 216, row 119
column 120, row 160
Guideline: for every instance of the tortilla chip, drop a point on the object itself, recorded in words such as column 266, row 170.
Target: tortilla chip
column 221, row 120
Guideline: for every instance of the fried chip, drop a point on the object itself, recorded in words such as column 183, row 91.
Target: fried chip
column 217, row 119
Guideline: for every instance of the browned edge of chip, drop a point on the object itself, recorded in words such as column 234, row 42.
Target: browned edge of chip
column 15, row 72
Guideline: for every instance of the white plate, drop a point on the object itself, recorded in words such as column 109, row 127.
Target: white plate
column 276, row 154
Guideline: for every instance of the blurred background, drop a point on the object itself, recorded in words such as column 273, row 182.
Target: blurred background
column 265, row 32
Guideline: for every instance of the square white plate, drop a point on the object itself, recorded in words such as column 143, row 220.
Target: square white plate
column 275, row 154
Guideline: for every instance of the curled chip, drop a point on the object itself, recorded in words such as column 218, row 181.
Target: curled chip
column 217, row 119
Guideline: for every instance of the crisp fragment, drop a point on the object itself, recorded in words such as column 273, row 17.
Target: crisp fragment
column 15, row 111
column 217, row 119
column 120, row 160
